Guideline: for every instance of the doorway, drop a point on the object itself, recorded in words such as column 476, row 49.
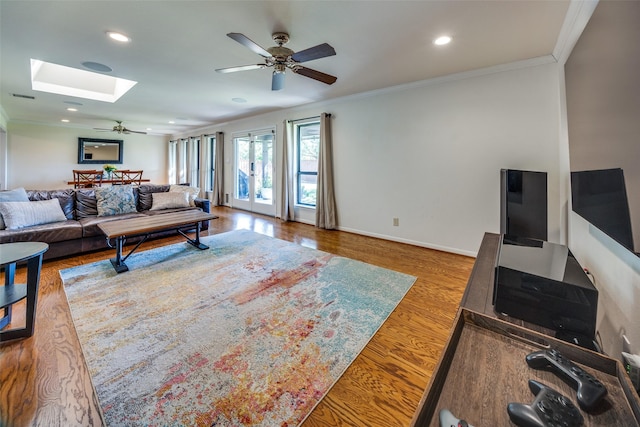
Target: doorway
column 254, row 172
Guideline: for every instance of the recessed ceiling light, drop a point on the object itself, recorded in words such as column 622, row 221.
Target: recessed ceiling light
column 72, row 109
column 442, row 40
column 171, row 122
column 65, row 120
column 118, row 37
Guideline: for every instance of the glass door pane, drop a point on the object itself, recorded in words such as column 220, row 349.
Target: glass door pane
column 263, row 170
column 243, row 168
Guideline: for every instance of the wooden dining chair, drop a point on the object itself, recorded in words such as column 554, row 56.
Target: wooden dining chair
column 87, row 178
column 119, row 176
column 132, row 177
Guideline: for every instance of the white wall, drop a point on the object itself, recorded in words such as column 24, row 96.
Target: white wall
column 430, row 154
column 617, row 277
column 616, row 271
column 43, row 157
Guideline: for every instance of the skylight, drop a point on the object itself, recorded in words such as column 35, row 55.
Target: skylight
column 53, row 78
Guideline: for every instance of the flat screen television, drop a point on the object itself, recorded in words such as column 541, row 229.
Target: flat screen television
column 600, row 197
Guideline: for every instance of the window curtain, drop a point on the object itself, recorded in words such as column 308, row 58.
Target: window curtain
column 286, row 197
column 204, row 165
column 181, row 161
column 172, row 162
column 218, row 172
column 326, row 216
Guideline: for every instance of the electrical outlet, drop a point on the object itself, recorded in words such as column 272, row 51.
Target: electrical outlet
column 396, row 222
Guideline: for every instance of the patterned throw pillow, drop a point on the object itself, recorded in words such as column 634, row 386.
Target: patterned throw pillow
column 191, row 191
column 169, row 200
column 115, row 200
column 26, row 214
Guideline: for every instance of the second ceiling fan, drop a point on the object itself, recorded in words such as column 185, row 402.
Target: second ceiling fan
column 281, row 58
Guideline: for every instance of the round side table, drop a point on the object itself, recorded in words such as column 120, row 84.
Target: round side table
column 11, row 293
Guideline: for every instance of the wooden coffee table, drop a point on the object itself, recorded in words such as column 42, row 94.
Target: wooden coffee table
column 120, row 230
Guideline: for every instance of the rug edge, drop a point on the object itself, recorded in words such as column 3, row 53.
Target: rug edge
column 415, row 279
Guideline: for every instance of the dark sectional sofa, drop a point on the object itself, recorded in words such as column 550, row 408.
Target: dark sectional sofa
column 80, row 232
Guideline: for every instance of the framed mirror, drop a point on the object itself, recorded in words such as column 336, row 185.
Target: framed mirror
column 94, row 150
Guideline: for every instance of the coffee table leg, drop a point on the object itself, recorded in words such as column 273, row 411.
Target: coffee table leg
column 196, row 242
column 34, row 265
column 117, row 262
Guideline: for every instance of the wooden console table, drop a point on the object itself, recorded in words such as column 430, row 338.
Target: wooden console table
column 119, row 230
column 482, row 367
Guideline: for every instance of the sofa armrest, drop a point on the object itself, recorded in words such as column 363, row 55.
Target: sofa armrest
column 205, row 205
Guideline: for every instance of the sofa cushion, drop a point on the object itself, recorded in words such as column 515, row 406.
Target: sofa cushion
column 50, row 233
column 169, row 200
column 26, row 214
column 193, row 192
column 145, row 198
column 66, row 197
column 115, row 200
column 16, row 195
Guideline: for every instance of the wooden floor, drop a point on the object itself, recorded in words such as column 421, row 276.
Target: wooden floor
column 44, row 380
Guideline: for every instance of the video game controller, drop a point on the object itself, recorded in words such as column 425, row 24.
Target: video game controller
column 590, row 391
column 549, row 409
column 448, row 420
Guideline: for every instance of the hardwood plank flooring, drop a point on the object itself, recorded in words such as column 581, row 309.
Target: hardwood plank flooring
column 44, row 379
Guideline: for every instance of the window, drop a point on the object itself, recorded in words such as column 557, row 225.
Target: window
column 307, row 146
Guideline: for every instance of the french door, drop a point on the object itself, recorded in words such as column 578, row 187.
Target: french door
column 254, row 172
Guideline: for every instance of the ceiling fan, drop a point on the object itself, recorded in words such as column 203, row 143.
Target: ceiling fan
column 281, row 58
column 119, row 128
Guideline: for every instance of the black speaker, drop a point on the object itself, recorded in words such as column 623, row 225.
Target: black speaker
column 523, row 203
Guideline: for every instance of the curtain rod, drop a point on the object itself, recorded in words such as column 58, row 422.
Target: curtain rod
column 307, row 118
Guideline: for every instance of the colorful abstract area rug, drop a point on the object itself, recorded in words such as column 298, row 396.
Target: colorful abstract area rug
column 253, row 331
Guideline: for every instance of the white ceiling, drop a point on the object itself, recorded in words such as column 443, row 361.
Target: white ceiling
column 177, row 45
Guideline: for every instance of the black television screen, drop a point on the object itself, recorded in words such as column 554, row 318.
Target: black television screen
column 600, row 197
column 523, row 203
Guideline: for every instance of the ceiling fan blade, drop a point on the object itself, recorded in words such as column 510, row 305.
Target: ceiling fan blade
column 316, row 52
column 246, row 41
column 277, row 81
column 316, row 75
column 240, row 68
column 125, row 130
column 103, row 129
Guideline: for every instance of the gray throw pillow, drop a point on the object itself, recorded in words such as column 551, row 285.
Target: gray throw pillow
column 16, row 195
column 169, row 200
column 26, row 214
